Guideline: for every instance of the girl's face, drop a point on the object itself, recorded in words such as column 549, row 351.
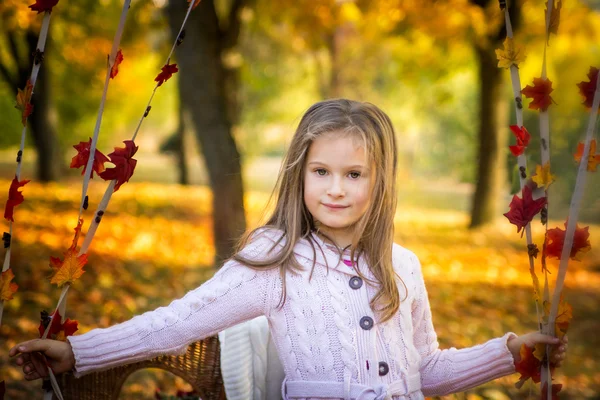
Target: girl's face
column 338, row 181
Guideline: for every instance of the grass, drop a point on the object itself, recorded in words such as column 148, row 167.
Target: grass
column 155, row 243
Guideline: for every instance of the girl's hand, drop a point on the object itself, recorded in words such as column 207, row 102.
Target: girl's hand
column 34, row 354
column 533, row 338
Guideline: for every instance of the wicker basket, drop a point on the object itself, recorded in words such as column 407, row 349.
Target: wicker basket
column 200, row 366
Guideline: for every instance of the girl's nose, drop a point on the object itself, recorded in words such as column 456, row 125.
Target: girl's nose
column 336, row 190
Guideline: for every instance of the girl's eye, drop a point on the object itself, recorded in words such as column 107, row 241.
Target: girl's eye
column 354, row 175
column 320, row 171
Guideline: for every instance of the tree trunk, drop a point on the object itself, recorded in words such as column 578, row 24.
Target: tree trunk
column 203, row 93
column 182, row 167
column 493, row 128
column 43, row 122
column 493, row 117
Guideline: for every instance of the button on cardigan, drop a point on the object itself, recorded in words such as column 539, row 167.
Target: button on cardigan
column 325, row 349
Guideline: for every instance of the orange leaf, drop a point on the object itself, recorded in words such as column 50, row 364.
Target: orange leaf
column 7, row 288
column 587, row 89
column 114, row 70
column 69, row 269
column 77, row 233
column 43, row 5
column 581, row 242
column 540, row 93
column 14, row 198
column 58, row 330
column 83, row 155
column 124, row 164
column 196, row 2
column 593, row 158
column 166, row 72
column 24, row 102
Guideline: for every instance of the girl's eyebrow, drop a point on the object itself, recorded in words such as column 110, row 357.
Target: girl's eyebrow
column 356, row 166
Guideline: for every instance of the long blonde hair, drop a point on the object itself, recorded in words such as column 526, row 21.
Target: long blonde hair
column 374, row 232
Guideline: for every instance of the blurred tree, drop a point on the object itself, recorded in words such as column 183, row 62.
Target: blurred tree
column 493, row 115
column 208, row 84
column 18, row 38
column 480, row 23
column 175, row 145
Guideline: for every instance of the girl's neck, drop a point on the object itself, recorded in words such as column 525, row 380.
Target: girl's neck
column 341, row 243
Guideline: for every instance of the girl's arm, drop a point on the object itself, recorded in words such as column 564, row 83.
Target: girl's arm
column 451, row 370
column 235, row 294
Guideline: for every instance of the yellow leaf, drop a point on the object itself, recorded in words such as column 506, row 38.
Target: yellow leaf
column 349, row 12
column 510, row 55
column 69, row 269
column 542, row 176
column 539, row 351
column 24, row 102
column 7, row 288
column 563, row 317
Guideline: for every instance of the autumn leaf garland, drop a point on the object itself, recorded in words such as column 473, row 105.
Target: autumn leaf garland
column 534, row 363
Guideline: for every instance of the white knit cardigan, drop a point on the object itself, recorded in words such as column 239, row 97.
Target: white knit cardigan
column 327, row 336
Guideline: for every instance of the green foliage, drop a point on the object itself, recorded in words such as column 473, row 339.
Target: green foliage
column 10, row 131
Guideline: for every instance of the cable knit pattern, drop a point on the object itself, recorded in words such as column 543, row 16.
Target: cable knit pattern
column 345, row 326
column 325, row 349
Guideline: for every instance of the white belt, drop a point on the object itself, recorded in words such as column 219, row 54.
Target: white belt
column 327, row 389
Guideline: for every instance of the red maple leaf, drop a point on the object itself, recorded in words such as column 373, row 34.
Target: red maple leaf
column 14, row 198
column 555, row 389
column 523, row 210
column 83, row 156
column 528, row 366
column 114, row 70
column 43, row 5
column 523, row 138
column 540, row 93
column 58, row 330
column 124, row 164
column 581, row 242
column 166, row 72
column 587, row 89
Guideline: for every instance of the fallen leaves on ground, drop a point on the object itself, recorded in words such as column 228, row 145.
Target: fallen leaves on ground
column 478, row 280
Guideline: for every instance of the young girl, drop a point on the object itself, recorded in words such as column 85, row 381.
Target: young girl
column 347, row 308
